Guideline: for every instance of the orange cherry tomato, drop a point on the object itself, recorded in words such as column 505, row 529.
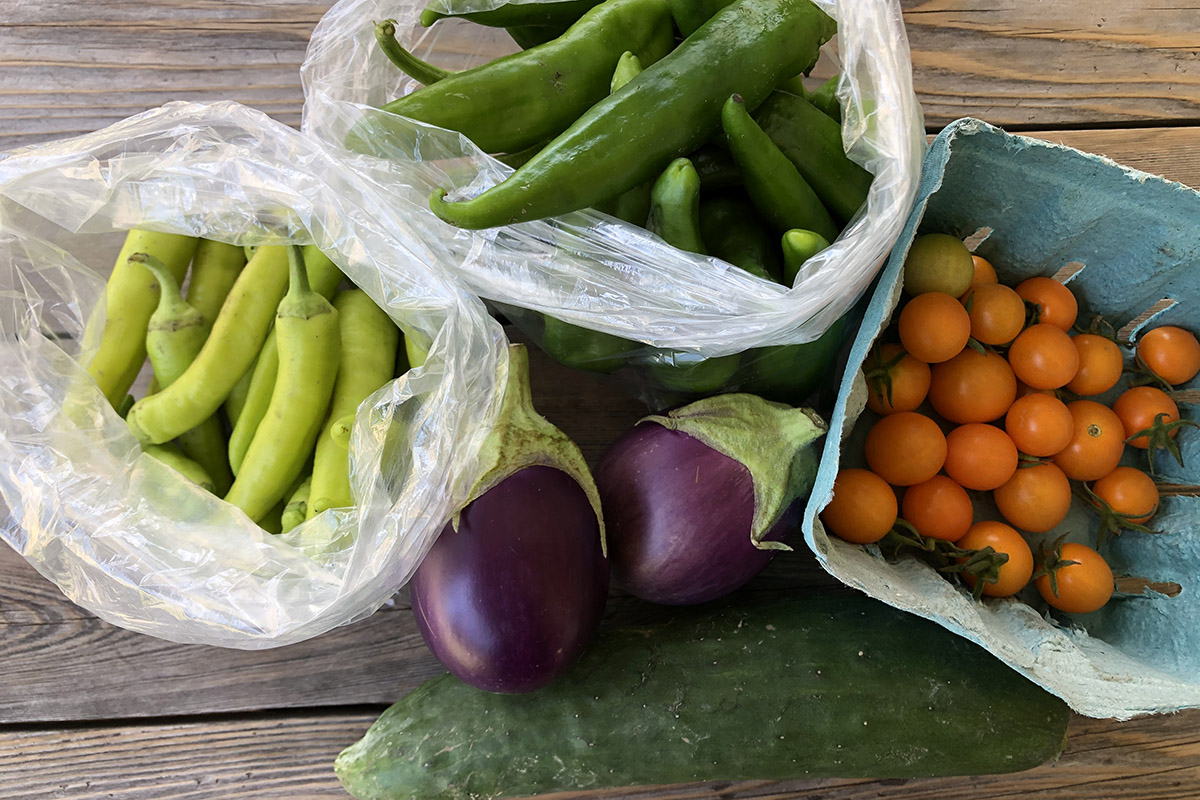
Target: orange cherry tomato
column 1036, row 498
column 980, row 456
column 1129, row 492
column 985, row 273
column 934, row 327
column 905, row 448
column 972, row 387
column 1040, row 424
column 1097, row 442
column 1016, row 572
column 1084, row 586
column 997, row 313
column 863, row 508
column 1056, row 304
column 1171, row 353
column 1100, row 365
column 1044, row 357
column 938, row 508
column 902, row 387
column 1139, row 407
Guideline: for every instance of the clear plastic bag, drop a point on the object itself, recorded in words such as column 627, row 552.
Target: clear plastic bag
column 593, row 270
column 131, row 540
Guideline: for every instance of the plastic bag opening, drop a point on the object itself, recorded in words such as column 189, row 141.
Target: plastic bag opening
column 129, row 539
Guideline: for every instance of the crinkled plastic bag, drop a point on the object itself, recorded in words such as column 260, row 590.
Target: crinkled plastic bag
column 1135, row 237
column 591, row 269
column 128, row 538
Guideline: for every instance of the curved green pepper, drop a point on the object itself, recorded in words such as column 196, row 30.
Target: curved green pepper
column 799, row 246
column 583, row 348
column 772, row 181
column 735, row 234
column 527, row 97
column 675, row 207
column 791, row 372
column 690, row 373
column 564, row 13
column 672, row 108
column 813, row 142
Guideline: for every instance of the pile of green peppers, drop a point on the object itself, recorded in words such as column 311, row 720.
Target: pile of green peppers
column 686, row 117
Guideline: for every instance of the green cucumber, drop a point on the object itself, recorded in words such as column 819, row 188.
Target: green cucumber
column 797, row 687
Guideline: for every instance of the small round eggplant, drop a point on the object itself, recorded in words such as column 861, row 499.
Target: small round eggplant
column 509, row 600
column 512, row 590
column 697, row 501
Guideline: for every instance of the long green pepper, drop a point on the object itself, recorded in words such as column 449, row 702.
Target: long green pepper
column 563, row 12
column 130, row 297
column 174, row 336
column 309, row 342
column 774, row 184
column 215, row 269
column 369, row 343
column 672, row 108
column 527, row 97
column 237, row 335
column 323, row 277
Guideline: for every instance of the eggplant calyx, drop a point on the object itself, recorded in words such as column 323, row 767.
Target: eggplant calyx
column 769, row 439
column 524, row 438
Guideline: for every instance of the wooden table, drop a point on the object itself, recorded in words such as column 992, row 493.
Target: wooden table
column 88, row 710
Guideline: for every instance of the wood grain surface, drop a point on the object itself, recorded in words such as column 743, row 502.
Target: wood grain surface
column 71, row 67
column 91, row 711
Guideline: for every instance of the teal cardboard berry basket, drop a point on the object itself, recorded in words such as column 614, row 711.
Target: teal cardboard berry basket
column 1135, row 240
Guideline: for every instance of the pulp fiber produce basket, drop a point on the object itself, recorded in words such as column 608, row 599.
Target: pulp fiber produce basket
column 130, row 539
column 669, row 309
column 1134, row 240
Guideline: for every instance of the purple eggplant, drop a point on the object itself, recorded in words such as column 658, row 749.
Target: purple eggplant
column 513, row 589
column 696, row 502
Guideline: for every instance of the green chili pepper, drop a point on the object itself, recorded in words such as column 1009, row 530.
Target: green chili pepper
column 272, row 521
column 794, row 84
column 527, row 36
column 813, row 142
column 131, row 296
column 126, row 404
column 324, row 277
column 825, row 98
column 215, row 269
column 672, row 108
column 369, row 343
column 406, row 62
column 690, row 15
column 177, row 461
column 735, row 234
column 564, row 12
column 675, row 207
column 772, row 181
column 295, row 510
column 583, row 348
column 518, row 100
column 237, row 335
column 174, row 336
column 789, row 373
column 632, row 206
column 690, row 373
column 675, row 216
column 799, row 246
column 716, row 168
column 236, row 400
column 309, row 342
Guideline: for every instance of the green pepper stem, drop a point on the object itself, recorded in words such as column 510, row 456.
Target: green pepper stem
column 171, row 294
column 406, row 62
column 297, row 271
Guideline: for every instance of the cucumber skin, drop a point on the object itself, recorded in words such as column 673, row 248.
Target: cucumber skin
column 800, row 687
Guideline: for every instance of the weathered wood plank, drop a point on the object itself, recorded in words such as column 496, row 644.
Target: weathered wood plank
column 1050, row 64
column 292, row 756
column 70, row 68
